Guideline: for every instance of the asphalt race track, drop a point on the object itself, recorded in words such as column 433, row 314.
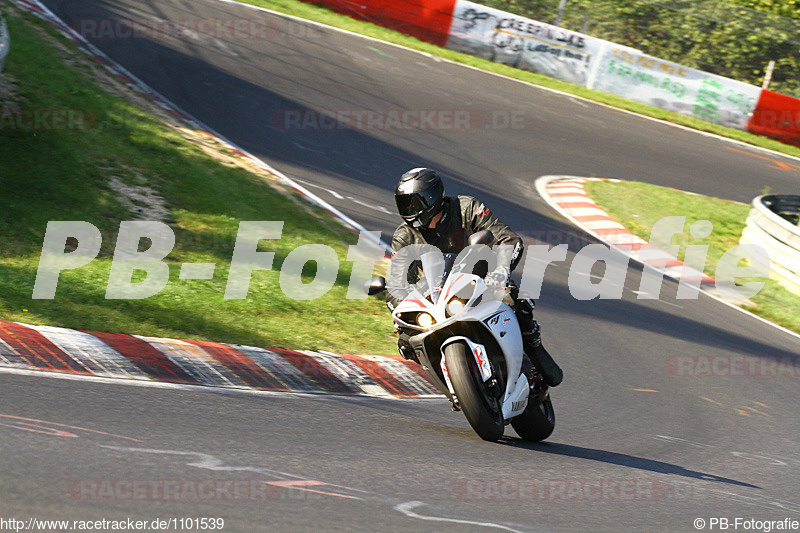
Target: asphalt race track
column 637, row 447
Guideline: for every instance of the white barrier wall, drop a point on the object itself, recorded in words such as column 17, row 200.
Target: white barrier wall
column 523, row 43
column 601, row 65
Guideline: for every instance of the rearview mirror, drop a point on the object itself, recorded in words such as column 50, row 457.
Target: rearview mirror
column 375, row 285
column 482, row 237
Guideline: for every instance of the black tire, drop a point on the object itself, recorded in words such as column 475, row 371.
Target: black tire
column 483, row 411
column 536, row 422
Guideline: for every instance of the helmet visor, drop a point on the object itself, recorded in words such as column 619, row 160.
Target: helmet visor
column 411, row 206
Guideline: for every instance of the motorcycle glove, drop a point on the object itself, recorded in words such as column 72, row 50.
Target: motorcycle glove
column 498, row 278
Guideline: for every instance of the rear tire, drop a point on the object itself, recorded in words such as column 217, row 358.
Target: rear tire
column 536, row 422
column 483, row 411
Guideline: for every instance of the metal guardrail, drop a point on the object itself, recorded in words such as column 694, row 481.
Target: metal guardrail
column 767, row 226
column 5, row 41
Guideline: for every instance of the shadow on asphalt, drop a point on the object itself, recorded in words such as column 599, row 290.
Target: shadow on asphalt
column 620, row 459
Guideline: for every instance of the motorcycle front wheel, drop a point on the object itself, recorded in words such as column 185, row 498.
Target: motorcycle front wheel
column 482, row 409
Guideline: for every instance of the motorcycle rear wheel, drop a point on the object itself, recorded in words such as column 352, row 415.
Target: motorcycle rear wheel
column 483, row 411
column 536, row 422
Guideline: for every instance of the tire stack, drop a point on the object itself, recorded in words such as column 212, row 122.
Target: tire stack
column 772, row 224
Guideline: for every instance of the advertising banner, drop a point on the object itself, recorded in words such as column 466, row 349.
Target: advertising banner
column 523, row 43
column 573, row 57
column 5, row 41
column 646, row 79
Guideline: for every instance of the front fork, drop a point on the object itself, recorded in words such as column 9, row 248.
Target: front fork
column 442, row 383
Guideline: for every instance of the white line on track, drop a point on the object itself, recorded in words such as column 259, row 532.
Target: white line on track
column 406, row 509
column 307, row 149
column 329, row 191
column 204, row 388
column 213, row 463
column 659, row 300
column 378, row 208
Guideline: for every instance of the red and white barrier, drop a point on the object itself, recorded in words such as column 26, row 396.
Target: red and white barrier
column 777, row 116
column 427, row 20
column 212, row 364
column 567, row 195
column 577, row 58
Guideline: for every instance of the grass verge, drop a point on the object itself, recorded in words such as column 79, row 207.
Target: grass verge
column 119, row 162
column 325, row 16
column 638, row 206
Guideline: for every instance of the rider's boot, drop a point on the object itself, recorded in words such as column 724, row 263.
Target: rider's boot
column 542, row 360
column 532, row 344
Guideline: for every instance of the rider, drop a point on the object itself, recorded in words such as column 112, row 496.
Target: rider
column 446, row 223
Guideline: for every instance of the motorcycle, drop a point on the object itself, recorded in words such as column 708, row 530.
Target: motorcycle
column 470, row 345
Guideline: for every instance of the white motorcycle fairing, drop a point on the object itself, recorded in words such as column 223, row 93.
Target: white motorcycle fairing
column 493, row 316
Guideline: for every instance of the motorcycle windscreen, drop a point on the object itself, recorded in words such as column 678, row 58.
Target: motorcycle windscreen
column 433, row 270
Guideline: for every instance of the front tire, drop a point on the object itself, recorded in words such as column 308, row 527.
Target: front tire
column 536, row 422
column 483, row 411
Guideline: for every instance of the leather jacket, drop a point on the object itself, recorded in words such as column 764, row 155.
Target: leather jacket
column 462, row 216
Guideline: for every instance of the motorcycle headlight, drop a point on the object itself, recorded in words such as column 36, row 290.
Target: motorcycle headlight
column 425, row 320
column 455, row 306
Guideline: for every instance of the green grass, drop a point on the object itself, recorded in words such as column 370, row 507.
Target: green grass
column 638, row 206
column 64, row 175
column 326, row 16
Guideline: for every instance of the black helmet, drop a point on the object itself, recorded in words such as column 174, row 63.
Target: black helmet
column 419, row 196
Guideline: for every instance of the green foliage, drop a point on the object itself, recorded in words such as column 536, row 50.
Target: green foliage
column 734, row 39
